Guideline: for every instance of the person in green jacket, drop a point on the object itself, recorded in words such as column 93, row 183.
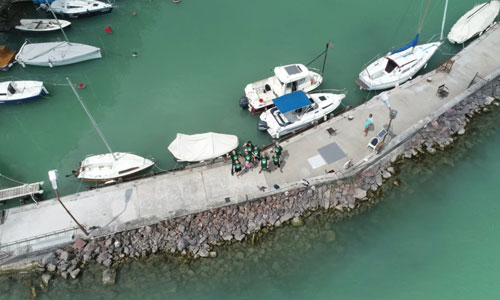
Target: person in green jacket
column 264, row 162
column 237, row 168
column 278, row 149
column 248, row 146
column 256, row 154
column 234, row 157
column 277, row 161
column 248, row 159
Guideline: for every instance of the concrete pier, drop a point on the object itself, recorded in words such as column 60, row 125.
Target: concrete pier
column 129, row 205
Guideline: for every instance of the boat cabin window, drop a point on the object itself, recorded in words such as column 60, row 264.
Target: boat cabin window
column 96, row 4
column 73, row 6
column 11, row 89
column 322, row 98
column 391, row 65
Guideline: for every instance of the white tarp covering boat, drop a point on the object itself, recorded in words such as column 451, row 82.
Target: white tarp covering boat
column 42, row 25
column 474, row 22
column 105, row 167
column 204, row 146
column 54, row 54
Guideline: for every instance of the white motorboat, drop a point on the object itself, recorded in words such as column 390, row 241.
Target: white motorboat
column 109, row 166
column 201, row 147
column 474, row 22
column 53, row 54
column 297, row 110
column 397, row 67
column 42, row 25
column 402, row 64
column 287, row 79
column 77, row 8
column 21, row 91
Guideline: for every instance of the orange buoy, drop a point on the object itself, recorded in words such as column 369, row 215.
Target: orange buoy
column 261, row 100
column 108, row 29
column 134, row 14
column 80, row 85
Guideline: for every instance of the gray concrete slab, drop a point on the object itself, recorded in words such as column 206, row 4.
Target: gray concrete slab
column 128, row 205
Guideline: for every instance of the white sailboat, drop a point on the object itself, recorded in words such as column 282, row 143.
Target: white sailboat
column 41, row 25
column 400, row 65
column 53, row 54
column 108, row 166
column 474, row 22
column 77, row 8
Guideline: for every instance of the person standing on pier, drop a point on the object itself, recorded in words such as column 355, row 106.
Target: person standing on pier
column 264, row 162
column 368, row 123
column 234, row 157
column 277, row 161
column 248, row 158
column 248, row 146
column 237, row 168
column 256, row 154
column 278, row 149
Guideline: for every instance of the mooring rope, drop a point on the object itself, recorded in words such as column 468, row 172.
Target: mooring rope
column 12, row 179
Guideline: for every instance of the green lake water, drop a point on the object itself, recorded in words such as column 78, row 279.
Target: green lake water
column 194, row 61
column 433, row 238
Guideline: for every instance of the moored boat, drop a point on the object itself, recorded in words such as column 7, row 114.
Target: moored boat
column 287, row 79
column 14, row 92
column 297, row 110
column 41, row 25
column 474, row 22
column 201, row 147
column 78, row 8
column 111, row 166
column 53, row 54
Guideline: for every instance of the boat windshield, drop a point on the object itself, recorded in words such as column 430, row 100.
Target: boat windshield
column 11, row 89
column 391, row 65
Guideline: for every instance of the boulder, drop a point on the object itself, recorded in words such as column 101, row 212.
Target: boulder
column 359, row 194
column 109, row 277
column 79, row 244
column 108, row 262
column 49, row 259
column 50, row 267
column 46, row 279
column 74, row 273
column 65, row 256
column 461, row 131
column 212, row 254
column 297, row 221
column 378, row 179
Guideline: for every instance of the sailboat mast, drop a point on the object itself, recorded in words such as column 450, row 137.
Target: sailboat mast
column 444, row 19
column 91, row 119
column 423, row 18
column 57, row 20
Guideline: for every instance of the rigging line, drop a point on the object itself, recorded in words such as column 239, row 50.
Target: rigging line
column 423, row 18
column 12, row 179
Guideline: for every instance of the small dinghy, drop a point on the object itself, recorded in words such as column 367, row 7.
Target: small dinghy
column 287, row 79
column 474, row 22
column 200, row 147
column 42, row 25
column 14, row 92
column 78, row 8
column 110, row 166
column 53, row 54
column 297, row 110
column 6, row 58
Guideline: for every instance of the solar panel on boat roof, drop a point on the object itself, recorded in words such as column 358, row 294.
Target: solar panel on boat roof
column 291, row 70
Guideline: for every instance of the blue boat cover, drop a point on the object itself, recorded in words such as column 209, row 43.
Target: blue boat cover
column 42, row 1
column 291, row 101
column 409, row 45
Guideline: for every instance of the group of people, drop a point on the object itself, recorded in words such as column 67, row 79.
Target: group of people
column 253, row 156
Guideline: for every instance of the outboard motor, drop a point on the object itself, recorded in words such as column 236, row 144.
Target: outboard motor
column 262, row 125
column 244, row 102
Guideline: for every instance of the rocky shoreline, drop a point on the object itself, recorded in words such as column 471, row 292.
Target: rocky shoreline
column 196, row 235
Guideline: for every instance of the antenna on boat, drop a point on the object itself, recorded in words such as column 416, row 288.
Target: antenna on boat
column 57, row 20
column 444, row 19
column 91, row 119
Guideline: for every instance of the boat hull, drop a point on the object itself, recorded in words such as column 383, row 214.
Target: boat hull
column 26, row 91
column 48, row 25
column 85, row 14
column 474, row 22
column 103, row 167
